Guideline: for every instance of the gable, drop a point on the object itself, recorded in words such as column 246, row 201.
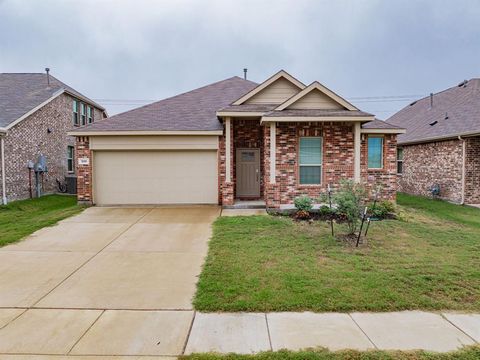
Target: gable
column 276, row 93
column 315, row 99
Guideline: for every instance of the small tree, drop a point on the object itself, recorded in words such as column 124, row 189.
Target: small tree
column 349, row 199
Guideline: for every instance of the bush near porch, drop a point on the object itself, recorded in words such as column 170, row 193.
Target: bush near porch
column 428, row 260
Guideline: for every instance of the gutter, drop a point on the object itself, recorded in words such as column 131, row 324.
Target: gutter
column 2, row 156
column 440, row 138
column 464, row 151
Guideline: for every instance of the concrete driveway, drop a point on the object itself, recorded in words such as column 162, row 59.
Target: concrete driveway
column 108, row 281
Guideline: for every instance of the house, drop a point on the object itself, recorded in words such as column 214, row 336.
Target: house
column 36, row 112
column 441, row 148
column 235, row 140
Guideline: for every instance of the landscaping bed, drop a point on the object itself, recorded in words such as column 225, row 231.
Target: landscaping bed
column 21, row 218
column 427, row 259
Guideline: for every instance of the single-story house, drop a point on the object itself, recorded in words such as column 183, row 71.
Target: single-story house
column 441, row 148
column 36, row 112
column 235, row 140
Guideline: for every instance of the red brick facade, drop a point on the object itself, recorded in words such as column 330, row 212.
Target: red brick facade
column 338, row 160
column 43, row 132
column 84, row 171
column 441, row 163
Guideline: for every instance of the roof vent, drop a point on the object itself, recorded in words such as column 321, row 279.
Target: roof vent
column 413, row 103
column 446, row 115
column 245, row 73
column 433, row 123
column 431, row 100
column 463, row 84
column 47, row 70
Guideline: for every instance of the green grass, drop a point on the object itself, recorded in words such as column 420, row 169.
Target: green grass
column 21, row 218
column 471, row 353
column 428, row 260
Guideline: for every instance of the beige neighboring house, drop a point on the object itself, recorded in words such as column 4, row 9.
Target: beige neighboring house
column 234, row 141
column 441, row 147
column 36, row 112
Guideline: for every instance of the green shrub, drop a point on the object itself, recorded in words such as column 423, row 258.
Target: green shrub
column 325, row 211
column 349, row 200
column 381, row 209
column 303, row 203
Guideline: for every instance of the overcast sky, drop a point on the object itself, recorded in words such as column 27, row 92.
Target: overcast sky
column 148, row 50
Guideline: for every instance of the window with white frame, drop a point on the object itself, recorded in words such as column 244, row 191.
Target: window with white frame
column 75, row 113
column 90, row 114
column 310, row 160
column 83, row 113
column 375, row 152
column 70, row 156
column 399, row 161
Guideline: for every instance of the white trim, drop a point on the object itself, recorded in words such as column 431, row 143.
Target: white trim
column 316, row 85
column 2, row 155
column 273, row 155
column 440, row 138
column 27, row 114
column 383, row 131
column 266, row 119
column 3, row 130
column 241, row 113
column 266, row 83
column 228, row 151
column 139, row 132
column 357, row 151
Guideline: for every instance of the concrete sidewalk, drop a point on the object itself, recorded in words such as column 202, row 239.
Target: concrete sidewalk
column 75, row 332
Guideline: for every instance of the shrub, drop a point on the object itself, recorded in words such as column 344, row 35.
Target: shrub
column 325, row 211
column 382, row 209
column 349, row 199
column 303, row 203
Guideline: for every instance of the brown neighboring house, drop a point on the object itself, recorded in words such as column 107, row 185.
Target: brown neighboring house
column 235, row 140
column 36, row 112
column 442, row 144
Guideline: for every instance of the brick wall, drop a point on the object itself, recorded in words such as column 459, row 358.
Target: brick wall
column 433, row 163
column 472, row 171
column 30, row 137
column 84, row 171
column 386, row 177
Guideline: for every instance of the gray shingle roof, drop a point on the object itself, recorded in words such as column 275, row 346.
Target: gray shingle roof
column 191, row 111
column 456, row 111
column 22, row 92
column 380, row 124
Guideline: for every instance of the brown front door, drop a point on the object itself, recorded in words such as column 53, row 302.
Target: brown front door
column 248, row 173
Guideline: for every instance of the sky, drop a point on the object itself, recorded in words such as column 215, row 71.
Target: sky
column 380, row 55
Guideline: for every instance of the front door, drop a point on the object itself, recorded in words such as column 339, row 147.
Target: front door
column 248, row 173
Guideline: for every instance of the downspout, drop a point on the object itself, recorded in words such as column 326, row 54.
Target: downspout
column 464, row 151
column 2, row 156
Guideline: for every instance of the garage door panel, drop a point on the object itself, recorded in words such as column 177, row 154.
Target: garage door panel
column 155, row 177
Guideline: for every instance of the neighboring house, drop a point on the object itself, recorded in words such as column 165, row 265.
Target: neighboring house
column 441, row 147
column 235, row 140
column 36, row 112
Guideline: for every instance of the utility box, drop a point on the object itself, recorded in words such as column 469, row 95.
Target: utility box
column 71, row 181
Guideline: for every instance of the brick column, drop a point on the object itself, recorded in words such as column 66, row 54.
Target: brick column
column 272, row 188
column 84, row 171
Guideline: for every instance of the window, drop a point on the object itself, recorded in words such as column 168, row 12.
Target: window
column 90, row 114
column 83, row 113
column 310, row 160
column 399, row 161
column 375, row 152
column 75, row 112
column 70, row 156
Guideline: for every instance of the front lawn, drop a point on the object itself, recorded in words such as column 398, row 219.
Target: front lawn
column 470, row 353
column 21, row 218
column 428, row 260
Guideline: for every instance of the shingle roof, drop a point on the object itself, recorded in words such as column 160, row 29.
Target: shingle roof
column 380, row 124
column 191, row 111
column 22, row 92
column 316, row 112
column 456, row 111
column 250, row 107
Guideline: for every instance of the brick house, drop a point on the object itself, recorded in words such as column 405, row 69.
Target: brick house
column 442, row 144
column 235, row 140
column 36, row 112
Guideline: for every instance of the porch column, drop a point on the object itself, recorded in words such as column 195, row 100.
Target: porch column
column 273, row 139
column 356, row 152
column 228, row 150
